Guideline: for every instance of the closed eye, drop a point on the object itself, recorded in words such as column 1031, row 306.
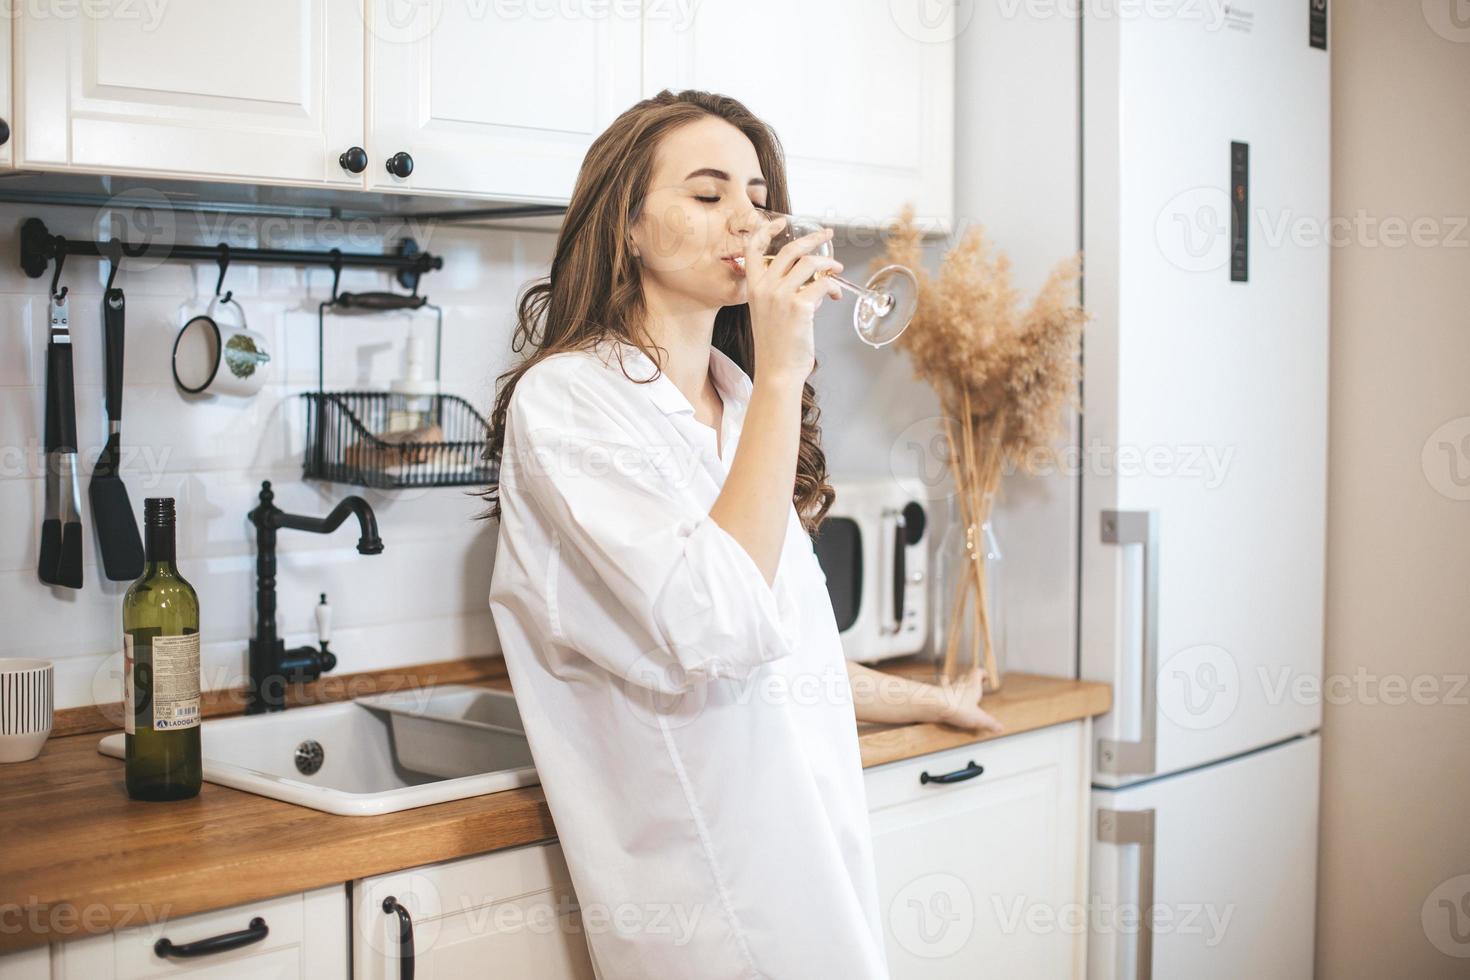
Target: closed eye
column 713, row 200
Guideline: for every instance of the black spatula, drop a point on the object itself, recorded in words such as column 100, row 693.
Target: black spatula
column 112, row 514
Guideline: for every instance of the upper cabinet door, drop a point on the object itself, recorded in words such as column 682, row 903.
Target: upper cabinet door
column 494, row 100
column 7, row 114
column 861, row 95
column 241, row 90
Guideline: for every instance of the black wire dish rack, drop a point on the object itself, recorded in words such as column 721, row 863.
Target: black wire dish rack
column 351, row 437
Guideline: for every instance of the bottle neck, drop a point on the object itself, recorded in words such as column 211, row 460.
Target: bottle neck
column 158, row 544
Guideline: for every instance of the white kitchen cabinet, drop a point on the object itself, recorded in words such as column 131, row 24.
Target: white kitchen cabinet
column 305, row 936
column 7, row 111
column 27, row 964
column 861, row 95
column 240, row 90
column 510, row 912
column 498, row 100
column 987, row 875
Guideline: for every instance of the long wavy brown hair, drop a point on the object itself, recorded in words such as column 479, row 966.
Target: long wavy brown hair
column 594, row 290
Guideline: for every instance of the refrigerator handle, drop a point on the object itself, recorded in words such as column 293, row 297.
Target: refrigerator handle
column 1119, row 756
column 1136, row 827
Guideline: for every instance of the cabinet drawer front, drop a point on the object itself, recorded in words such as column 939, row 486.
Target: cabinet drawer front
column 133, row 948
column 984, row 877
column 28, row 964
column 513, row 908
column 307, row 938
column 895, row 783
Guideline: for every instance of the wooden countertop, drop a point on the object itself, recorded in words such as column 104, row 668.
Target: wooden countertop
column 78, row 858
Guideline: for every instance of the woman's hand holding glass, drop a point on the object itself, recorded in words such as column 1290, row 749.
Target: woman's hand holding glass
column 885, row 304
column 783, row 295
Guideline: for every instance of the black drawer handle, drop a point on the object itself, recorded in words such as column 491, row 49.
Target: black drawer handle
column 253, row 933
column 958, row 776
column 405, row 937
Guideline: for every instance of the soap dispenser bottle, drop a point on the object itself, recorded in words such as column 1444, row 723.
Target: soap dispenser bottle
column 412, row 410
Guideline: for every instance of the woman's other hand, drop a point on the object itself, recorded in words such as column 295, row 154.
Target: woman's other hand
column 961, row 704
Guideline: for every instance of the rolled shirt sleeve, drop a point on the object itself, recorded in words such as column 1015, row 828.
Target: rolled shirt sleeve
column 641, row 581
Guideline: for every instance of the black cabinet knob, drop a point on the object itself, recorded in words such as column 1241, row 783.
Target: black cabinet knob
column 4, row 132
column 400, row 164
column 354, row 161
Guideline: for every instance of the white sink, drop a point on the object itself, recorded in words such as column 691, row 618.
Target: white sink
column 375, row 755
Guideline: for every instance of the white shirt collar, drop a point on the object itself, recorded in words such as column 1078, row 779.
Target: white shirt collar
column 730, row 379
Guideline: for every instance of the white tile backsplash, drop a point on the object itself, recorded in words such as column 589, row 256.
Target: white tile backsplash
column 423, row 599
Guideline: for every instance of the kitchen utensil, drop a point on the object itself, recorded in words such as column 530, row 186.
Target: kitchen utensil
column 115, row 527
column 61, row 525
column 26, row 693
column 222, row 359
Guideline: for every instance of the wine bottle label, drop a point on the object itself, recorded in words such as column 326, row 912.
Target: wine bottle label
column 130, row 703
column 175, row 682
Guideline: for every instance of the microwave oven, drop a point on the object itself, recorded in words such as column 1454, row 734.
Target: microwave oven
column 873, row 546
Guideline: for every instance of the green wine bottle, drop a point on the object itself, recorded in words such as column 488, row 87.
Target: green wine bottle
column 161, row 669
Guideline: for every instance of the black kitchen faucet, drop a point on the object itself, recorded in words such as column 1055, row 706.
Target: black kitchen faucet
column 272, row 666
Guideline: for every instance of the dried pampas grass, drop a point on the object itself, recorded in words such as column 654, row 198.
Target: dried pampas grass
column 1005, row 379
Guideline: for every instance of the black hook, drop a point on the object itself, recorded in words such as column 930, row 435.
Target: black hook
column 336, row 273
column 60, row 245
column 224, row 266
column 114, row 256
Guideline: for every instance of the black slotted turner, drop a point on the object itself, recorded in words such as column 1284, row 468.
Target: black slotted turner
column 112, row 513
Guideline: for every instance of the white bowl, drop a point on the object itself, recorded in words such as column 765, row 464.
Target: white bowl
column 26, row 698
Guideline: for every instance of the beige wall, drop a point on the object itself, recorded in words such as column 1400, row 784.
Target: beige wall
column 1396, row 776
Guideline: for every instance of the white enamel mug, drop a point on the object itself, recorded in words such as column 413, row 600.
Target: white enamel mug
column 219, row 358
column 26, row 693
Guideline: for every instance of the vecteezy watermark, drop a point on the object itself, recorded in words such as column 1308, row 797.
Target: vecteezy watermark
column 360, row 234
column 553, row 456
column 548, row 912
column 411, row 21
column 147, row 13
column 230, row 689
column 144, row 220
column 149, row 225
column 1450, row 19
column 1210, row 14
column 1192, row 229
column 933, row 915
column 1199, row 687
column 1015, row 914
column 921, row 453
column 670, row 687
column 60, row 920
column 1282, row 684
column 675, row 920
column 1446, row 458
column 1445, row 917
column 142, row 465
column 932, row 21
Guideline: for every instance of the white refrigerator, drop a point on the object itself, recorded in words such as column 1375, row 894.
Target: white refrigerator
column 1204, row 185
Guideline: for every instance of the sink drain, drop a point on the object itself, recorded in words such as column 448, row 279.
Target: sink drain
column 309, row 757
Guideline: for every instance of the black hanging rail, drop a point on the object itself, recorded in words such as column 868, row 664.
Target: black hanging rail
column 38, row 248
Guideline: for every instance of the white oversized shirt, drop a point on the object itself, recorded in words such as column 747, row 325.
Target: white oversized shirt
column 692, row 725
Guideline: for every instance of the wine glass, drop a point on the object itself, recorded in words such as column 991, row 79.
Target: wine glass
column 885, row 306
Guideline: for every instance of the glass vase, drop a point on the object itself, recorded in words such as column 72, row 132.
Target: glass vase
column 968, row 563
